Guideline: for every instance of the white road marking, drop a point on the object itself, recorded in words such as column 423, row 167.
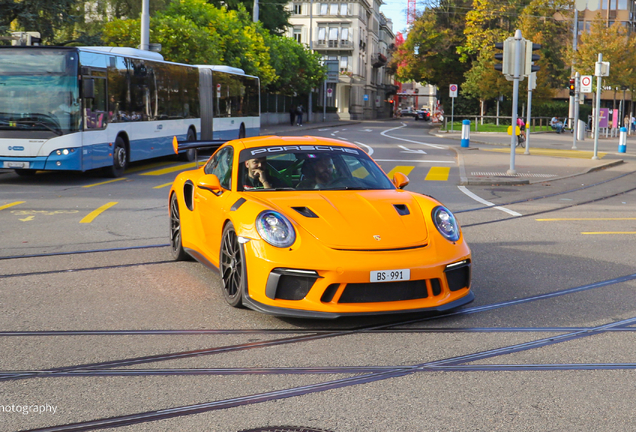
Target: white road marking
column 341, row 138
column 370, row 152
column 411, row 141
column 408, row 150
column 488, row 203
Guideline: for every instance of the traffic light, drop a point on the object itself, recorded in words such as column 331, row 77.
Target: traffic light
column 572, row 87
column 507, row 57
column 530, row 58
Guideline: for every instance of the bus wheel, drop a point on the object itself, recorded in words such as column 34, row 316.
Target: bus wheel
column 120, row 159
column 242, row 132
column 190, row 154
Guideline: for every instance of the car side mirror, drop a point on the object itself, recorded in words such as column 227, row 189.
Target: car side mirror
column 400, row 180
column 209, row 182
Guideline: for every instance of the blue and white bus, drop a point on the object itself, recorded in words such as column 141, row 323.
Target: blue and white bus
column 69, row 108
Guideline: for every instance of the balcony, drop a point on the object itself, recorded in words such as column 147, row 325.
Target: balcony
column 378, row 60
column 335, row 44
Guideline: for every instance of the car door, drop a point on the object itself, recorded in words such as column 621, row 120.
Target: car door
column 213, row 208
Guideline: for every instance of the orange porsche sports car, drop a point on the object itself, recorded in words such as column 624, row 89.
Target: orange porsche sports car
column 312, row 227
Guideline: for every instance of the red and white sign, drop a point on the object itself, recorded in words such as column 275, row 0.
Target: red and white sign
column 218, row 90
column 453, row 90
column 586, row 84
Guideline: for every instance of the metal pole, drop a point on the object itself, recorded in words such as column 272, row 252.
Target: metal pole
column 145, row 25
column 324, row 104
column 452, row 112
column 311, row 47
column 255, row 11
column 599, row 81
column 531, row 79
column 575, row 125
column 515, row 100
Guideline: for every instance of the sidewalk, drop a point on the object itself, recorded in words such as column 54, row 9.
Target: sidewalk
column 487, row 160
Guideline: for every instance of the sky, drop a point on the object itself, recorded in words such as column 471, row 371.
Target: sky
column 395, row 10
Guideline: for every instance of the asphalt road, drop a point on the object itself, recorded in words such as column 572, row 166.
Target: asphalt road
column 125, row 336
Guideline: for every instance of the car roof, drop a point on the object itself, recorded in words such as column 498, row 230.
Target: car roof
column 263, row 141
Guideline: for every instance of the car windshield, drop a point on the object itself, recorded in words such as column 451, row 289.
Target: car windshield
column 39, row 90
column 309, row 167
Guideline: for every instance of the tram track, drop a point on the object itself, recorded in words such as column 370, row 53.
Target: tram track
column 305, row 338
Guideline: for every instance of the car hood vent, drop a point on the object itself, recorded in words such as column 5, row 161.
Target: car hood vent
column 305, row 211
column 402, row 209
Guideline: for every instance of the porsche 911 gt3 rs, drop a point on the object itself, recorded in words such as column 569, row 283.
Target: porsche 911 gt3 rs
column 312, row 227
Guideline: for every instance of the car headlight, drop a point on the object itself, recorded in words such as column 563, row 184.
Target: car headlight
column 445, row 223
column 275, row 229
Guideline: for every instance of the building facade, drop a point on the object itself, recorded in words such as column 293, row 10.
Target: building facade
column 360, row 38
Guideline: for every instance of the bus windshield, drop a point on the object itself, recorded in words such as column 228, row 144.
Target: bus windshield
column 38, row 91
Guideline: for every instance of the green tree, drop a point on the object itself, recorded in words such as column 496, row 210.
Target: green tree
column 43, row 16
column 298, row 70
column 272, row 13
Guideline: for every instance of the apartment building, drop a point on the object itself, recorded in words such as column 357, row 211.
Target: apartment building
column 360, row 38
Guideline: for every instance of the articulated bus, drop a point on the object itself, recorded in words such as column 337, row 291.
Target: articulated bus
column 64, row 108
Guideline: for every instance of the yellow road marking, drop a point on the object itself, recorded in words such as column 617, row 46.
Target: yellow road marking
column 360, row 173
column 92, row 215
column 148, row 166
column 438, row 174
column 406, row 170
column 106, row 182
column 583, row 219
column 28, row 218
column 552, row 152
column 11, row 205
column 163, row 185
column 611, row 232
column 170, row 169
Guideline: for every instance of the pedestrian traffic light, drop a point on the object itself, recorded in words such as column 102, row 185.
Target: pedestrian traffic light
column 572, row 87
column 531, row 58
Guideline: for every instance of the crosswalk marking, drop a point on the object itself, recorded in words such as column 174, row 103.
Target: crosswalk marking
column 406, row 170
column 438, row 174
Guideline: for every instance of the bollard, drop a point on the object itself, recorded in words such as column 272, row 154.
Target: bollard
column 622, row 140
column 465, row 133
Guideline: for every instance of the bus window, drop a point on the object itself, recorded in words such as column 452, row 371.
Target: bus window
column 95, row 113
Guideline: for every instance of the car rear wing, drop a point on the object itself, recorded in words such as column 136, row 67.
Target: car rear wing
column 196, row 145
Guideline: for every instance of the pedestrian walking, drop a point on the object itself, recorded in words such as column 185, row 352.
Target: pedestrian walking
column 299, row 115
column 292, row 114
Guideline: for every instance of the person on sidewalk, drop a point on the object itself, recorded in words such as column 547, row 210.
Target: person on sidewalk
column 292, row 115
column 299, row 115
column 556, row 125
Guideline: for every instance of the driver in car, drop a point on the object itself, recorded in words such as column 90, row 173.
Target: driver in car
column 256, row 176
column 317, row 173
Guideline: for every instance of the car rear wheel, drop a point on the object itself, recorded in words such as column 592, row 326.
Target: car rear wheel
column 176, row 248
column 232, row 267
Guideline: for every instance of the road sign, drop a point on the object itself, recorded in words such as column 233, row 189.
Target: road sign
column 329, row 92
column 366, row 97
column 586, row 84
column 218, row 90
column 453, row 90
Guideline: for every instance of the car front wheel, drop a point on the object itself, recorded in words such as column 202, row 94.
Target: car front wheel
column 176, row 247
column 232, row 267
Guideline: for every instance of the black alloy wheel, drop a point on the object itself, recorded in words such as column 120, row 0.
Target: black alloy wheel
column 232, row 267
column 120, row 159
column 176, row 248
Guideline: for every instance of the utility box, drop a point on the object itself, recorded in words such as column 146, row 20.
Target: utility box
column 581, row 130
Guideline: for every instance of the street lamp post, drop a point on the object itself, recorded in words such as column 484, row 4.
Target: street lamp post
column 145, row 25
